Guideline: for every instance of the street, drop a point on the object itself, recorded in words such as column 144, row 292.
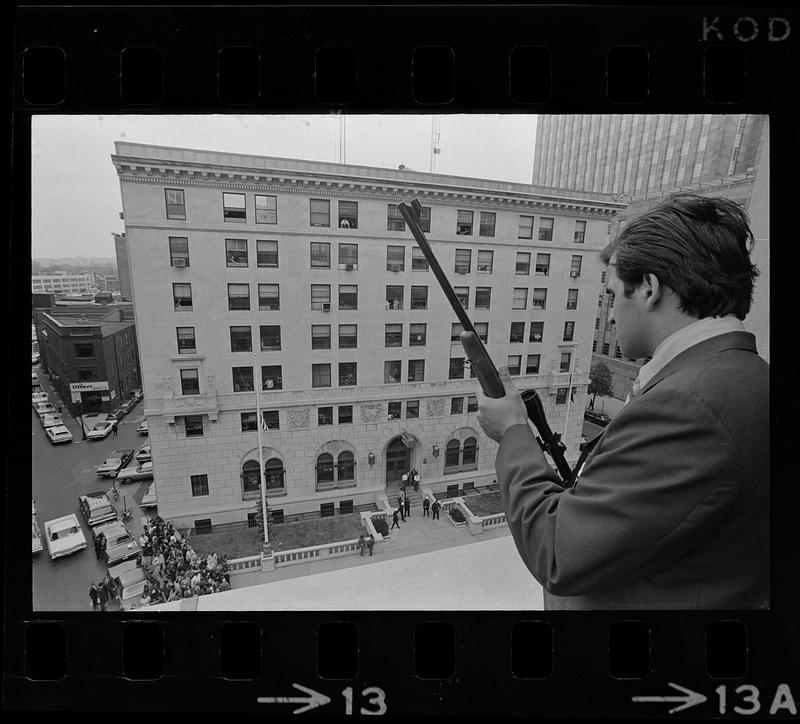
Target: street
column 60, row 474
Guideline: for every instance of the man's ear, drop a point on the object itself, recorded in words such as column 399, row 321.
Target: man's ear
column 653, row 290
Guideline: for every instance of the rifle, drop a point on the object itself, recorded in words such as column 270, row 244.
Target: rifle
column 479, row 358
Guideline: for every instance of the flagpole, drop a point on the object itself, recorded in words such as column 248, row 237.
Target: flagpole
column 569, row 397
column 261, row 473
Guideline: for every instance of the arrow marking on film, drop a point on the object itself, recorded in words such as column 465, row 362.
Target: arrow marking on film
column 313, row 700
column 689, row 698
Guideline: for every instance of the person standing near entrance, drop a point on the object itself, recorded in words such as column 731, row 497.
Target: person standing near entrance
column 407, row 505
column 401, row 507
column 415, row 478
column 435, row 508
column 426, row 507
column 394, row 520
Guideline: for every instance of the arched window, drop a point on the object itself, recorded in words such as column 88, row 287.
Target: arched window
column 273, row 470
column 325, row 471
column 460, row 458
column 452, row 454
column 251, row 480
column 346, row 465
column 470, row 454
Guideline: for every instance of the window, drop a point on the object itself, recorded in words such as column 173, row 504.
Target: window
column 270, row 337
column 523, row 265
column 348, row 336
column 395, row 410
column 487, row 223
column 346, row 465
column 249, row 422
column 537, row 332
column 463, row 261
column 233, row 207
column 462, row 294
column 412, row 409
column 456, row 405
column 320, row 336
column 394, row 219
column 348, row 256
column 416, row 370
column 452, row 454
column 325, row 475
column 327, row 510
column 456, row 371
column 271, row 420
column 532, row 364
column 419, row 297
column 417, row 335
column 575, row 267
column 391, row 372
column 472, row 403
column 425, row 218
column 605, row 347
column 186, row 340
column 525, row 227
column 238, row 296
column 190, row 382
column 546, row 229
column 561, row 395
column 178, row 251
column 470, row 453
column 182, row 297
column 266, row 209
column 267, row 254
column 464, row 223
column 203, row 526
column 348, row 296
column 88, row 373
column 520, row 300
column 347, row 374
column 324, row 416
column 485, row 261
column 271, row 377
column 199, row 486
column 543, row 264
column 277, row 515
column 269, row 297
column 395, row 258
column 251, row 480
column 517, row 332
column 321, row 375
column 514, row 363
column 193, row 425
column 458, row 459
column 418, row 260
column 566, row 358
column 243, row 379
column 456, row 328
column 320, row 212
column 348, row 214
column 540, row 298
column 569, row 331
column 320, row 255
column 241, row 339
column 345, row 414
column 482, row 330
column 580, row 232
column 393, row 336
column 394, row 297
column 84, row 350
column 572, row 298
column 236, row 252
column 483, row 297
column 320, row 296
column 176, row 205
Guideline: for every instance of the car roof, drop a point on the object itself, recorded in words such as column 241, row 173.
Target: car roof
column 66, row 521
column 96, row 500
column 59, row 430
column 116, row 526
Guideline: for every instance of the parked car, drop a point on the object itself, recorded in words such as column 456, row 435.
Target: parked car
column 143, row 428
column 36, row 546
column 143, row 456
column 126, row 407
column 149, row 499
column 131, row 579
column 37, row 397
column 117, row 414
column 101, row 430
column 58, row 434
column 34, row 379
column 96, row 508
column 35, row 358
column 137, row 395
column 598, row 418
column 117, row 460
column 51, row 421
column 64, row 536
column 139, row 472
column 45, row 408
column 120, row 543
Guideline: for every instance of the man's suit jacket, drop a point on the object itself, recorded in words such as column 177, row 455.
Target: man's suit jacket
column 671, row 509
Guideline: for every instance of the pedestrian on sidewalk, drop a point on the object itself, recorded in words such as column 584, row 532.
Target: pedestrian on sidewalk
column 93, row 594
column 435, row 508
column 98, row 545
column 394, row 520
column 371, row 543
column 102, row 596
column 114, row 428
column 426, row 507
column 407, row 504
column 361, row 544
column 402, row 507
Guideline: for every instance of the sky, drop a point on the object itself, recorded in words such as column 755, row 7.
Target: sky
column 75, row 195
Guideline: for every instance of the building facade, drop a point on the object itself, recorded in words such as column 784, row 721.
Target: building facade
column 300, row 278
column 638, row 154
column 62, row 283
column 123, row 267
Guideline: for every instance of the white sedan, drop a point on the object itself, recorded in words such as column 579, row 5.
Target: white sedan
column 51, row 421
column 140, row 472
column 144, row 456
column 37, row 397
column 142, row 429
column 45, row 408
column 58, row 434
column 64, row 536
column 101, row 430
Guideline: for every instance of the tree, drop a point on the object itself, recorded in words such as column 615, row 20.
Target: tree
column 259, row 518
column 601, row 382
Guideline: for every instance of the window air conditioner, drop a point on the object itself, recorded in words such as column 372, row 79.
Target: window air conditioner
column 326, row 307
column 179, row 262
column 462, row 269
column 574, row 274
column 395, row 267
column 349, row 267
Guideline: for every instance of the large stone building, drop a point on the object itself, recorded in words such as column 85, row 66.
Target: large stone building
column 62, row 283
column 300, row 277
column 123, row 267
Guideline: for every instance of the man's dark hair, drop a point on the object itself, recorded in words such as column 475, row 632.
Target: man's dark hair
column 698, row 246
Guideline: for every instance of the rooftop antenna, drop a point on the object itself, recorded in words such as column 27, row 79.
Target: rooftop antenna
column 342, row 144
column 436, row 126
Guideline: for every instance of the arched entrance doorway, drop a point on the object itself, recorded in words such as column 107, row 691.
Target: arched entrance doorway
column 398, row 460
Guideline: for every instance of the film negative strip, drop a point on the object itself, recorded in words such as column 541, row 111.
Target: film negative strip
column 406, row 659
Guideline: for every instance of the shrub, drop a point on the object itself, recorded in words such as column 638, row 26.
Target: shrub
column 381, row 526
column 456, row 514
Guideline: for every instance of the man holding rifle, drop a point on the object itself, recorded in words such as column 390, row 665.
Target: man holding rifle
column 670, row 508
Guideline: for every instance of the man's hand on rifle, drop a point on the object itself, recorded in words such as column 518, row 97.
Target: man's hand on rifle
column 495, row 416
